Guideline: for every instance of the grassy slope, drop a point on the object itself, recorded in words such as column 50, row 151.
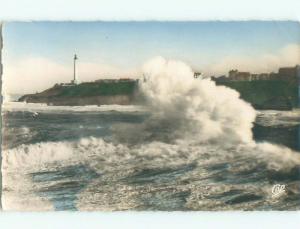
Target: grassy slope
column 259, row 92
column 94, row 89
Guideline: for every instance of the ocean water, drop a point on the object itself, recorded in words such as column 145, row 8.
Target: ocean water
column 193, row 145
column 125, row 158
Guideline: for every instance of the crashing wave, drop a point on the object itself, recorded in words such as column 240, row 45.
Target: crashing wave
column 200, row 109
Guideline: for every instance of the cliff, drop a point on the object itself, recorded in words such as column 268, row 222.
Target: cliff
column 122, row 92
column 267, row 94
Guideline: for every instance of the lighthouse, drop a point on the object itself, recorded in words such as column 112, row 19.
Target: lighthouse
column 74, row 73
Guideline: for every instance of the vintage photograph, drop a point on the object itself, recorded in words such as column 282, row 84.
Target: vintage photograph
column 150, row 116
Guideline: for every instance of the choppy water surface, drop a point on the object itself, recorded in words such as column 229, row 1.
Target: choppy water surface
column 93, row 159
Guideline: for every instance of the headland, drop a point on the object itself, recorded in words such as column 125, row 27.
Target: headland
column 265, row 91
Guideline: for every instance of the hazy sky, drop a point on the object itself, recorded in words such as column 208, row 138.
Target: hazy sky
column 38, row 54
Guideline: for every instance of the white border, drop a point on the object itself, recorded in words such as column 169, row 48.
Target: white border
column 150, row 10
column 141, row 220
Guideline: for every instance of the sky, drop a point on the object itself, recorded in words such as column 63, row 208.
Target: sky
column 36, row 55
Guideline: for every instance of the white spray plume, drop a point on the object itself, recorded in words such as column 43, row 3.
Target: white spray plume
column 202, row 110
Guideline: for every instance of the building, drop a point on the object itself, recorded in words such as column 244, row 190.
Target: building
column 235, row 75
column 115, row 80
column 263, row 76
column 290, row 74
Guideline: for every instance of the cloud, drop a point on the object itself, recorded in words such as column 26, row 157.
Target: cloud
column 93, row 71
column 34, row 74
column 287, row 56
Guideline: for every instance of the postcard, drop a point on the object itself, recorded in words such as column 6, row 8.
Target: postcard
column 150, row 116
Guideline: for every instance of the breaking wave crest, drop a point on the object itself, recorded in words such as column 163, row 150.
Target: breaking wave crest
column 120, row 164
column 87, row 149
column 199, row 109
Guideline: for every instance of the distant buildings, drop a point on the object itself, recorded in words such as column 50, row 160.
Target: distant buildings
column 290, row 74
column 115, row 80
column 235, row 75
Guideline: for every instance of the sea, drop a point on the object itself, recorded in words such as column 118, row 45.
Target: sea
column 108, row 158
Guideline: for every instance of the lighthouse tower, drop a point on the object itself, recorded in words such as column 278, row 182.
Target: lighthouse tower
column 74, row 81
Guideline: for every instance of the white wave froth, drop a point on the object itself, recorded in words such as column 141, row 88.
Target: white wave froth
column 207, row 111
column 40, row 107
column 117, row 161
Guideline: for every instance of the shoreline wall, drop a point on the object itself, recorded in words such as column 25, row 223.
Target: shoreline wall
column 81, row 101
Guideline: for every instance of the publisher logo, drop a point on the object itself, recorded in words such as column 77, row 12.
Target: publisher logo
column 278, row 189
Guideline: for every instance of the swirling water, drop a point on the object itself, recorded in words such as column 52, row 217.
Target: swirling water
column 92, row 159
